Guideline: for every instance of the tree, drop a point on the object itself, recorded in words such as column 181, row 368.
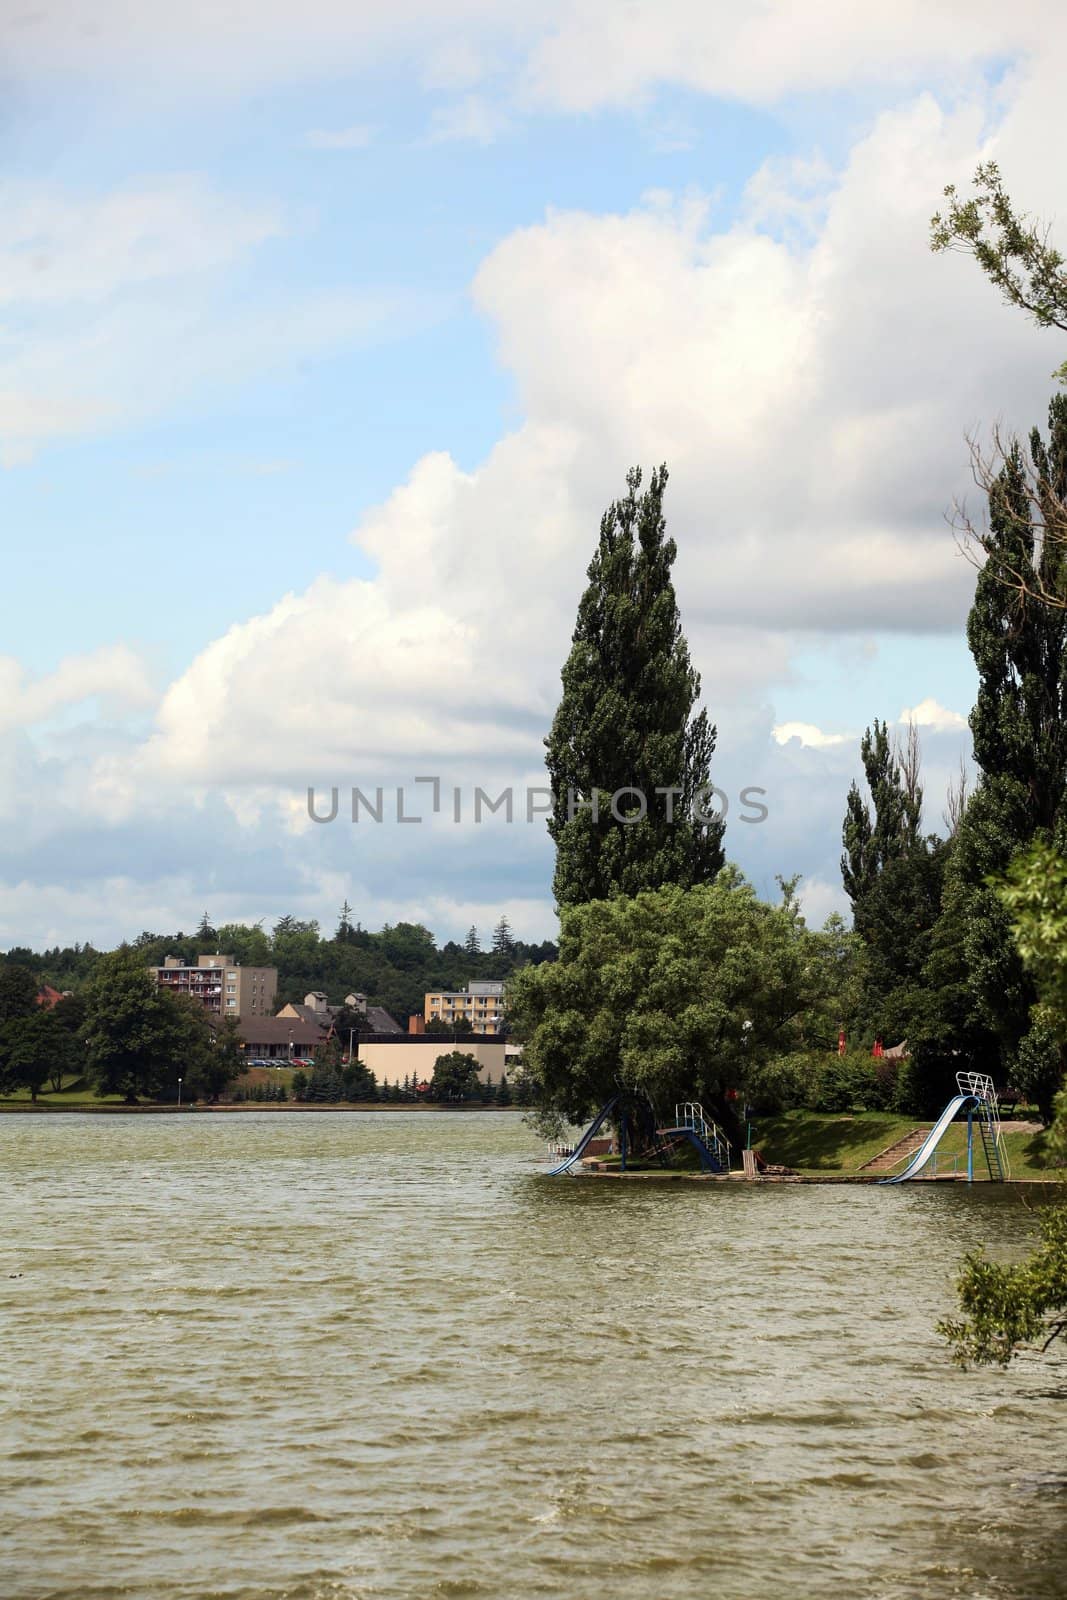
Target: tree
column 359, row 1082
column 1019, row 726
column 138, row 1036
column 1034, row 892
column 345, row 930
column 665, row 995
column 893, row 875
column 18, row 992
column 205, row 930
column 70, row 1013
column 1014, row 252
column 218, row 1064
column 1011, row 248
column 1009, row 1308
column 897, row 797
column 503, row 938
column 472, row 945
column 455, row 1076
column 625, row 726
column 325, row 1083
column 36, row 1048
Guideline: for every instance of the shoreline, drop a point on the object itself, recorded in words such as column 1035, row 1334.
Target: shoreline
column 869, row 1179
column 171, row 1108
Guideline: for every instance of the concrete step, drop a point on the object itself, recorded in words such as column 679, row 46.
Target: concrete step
column 894, row 1153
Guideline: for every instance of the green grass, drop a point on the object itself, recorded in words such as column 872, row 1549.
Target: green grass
column 76, row 1091
column 826, row 1145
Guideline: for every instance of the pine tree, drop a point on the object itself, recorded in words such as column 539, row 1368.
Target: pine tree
column 205, row 929
column 345, row 929
column 472, row 944
column 626, row 722
column 503, row 939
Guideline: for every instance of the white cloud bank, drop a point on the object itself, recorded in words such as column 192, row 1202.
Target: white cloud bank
column 809, row 388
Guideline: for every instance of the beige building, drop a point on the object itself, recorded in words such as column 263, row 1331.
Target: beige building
column 480, row 1004
column 391, row 1060
column 221, row 985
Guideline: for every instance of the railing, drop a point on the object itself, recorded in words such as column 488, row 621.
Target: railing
column 980, row 1084
column 691, row 1115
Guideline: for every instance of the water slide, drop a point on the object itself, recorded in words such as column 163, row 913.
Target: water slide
column 584, row 1142
column 934, row 1137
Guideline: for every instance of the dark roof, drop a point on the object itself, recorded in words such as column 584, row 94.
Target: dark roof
column 379, row 1021
column 279, row 1030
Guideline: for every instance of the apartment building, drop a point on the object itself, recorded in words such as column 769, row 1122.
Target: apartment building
column 480, row 1004
column 221, row 985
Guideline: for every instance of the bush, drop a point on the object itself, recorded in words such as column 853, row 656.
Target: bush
column 854, row 1082
column 785, row 1084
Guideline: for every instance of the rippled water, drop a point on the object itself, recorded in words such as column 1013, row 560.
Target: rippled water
column 286, row 1354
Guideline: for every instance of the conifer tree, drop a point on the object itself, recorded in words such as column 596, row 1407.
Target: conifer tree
column 626, row 722
column 472, row 944
column 503, row 939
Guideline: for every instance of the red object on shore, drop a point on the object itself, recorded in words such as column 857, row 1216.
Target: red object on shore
column 841, row 1045
column 878, row 1050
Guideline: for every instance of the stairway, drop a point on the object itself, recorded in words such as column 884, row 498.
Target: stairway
column 991, row 1147
column 894, row 1154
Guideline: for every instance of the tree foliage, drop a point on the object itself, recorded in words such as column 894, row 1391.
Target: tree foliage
column 673, row 994
column 627, row 721
column 455, row 1076
column 1012, row 248
column 139, row 1037
column 1010, row 1308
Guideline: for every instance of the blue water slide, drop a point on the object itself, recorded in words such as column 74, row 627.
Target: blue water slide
column 584, row 1142
column 933, row 1138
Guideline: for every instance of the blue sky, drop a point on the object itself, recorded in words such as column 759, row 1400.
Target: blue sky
column 325, row 337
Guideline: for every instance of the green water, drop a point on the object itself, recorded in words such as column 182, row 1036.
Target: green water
column 311, row 1356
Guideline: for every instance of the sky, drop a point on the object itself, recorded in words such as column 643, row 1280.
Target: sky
column 327, row 332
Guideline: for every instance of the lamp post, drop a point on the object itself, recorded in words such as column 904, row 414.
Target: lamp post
column 746, row 1029
column 179, row 1094
column 290, row 1046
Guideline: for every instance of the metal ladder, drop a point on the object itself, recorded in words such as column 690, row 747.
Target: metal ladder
column 989, row 1130
column 980, row 1086
column 690, row 1114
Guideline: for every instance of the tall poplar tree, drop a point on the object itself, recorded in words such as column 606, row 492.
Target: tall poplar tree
column 893, row 876
column 627, row 720
column 1019, row 724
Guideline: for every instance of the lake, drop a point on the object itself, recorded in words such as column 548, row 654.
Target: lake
column 321, row 1356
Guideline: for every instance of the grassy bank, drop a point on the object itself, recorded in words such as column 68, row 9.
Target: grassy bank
column 824, row 1146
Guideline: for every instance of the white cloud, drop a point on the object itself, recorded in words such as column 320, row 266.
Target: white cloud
column 809, row 735
column 116, row 308
column 574, row 54
column 929, row 714
column 60, row 248
column 472, row 119
column 808, row 373
column 112, row 675
column 780, row 381
column 358, row 137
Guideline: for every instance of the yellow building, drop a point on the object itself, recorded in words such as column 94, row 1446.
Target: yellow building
column 480, row 1004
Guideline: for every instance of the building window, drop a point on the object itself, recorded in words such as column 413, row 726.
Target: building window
column 232, row 1003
